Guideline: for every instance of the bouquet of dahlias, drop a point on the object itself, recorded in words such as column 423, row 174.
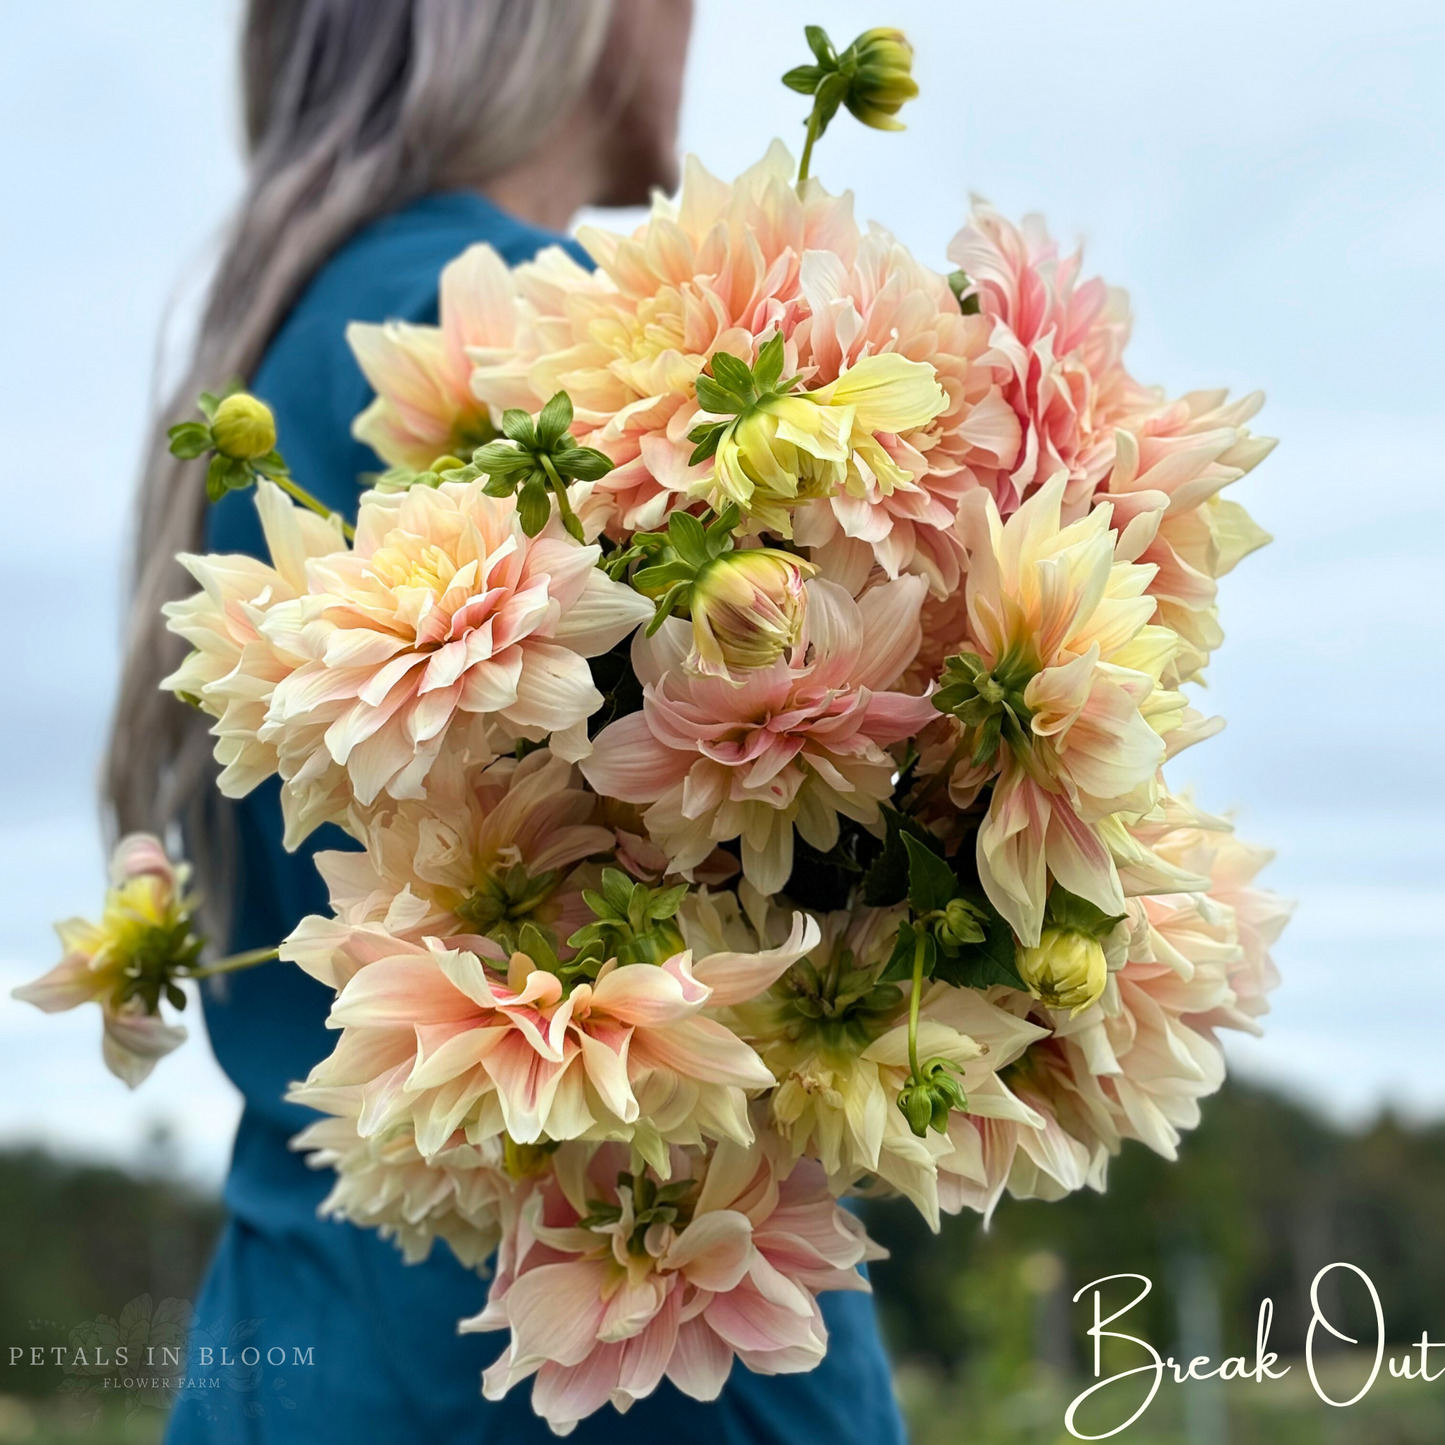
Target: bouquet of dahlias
column 756, row 749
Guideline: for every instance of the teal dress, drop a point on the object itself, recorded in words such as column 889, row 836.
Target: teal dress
column 313, row 1331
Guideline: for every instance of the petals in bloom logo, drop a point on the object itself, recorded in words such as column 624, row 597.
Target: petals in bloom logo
column 152, row 1355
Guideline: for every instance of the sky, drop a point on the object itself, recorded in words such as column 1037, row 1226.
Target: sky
column 1266, row 180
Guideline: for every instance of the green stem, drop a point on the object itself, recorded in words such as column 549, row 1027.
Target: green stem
column 564, row 506
column 235, row 962
column 297, row 492
column 913, row 1002
column 808, row 149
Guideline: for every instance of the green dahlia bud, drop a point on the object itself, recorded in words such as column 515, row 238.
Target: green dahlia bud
column 243, row 427
column 1065, row 969
column 883, row 80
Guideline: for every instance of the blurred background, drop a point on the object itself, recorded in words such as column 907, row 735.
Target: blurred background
column 1267, row 180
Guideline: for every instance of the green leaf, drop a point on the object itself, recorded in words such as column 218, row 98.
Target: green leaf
column 502, row 459
column 617, row 889
column 1068, row 910
column 688, row 539
column 829, row 98
column 821, row 46
column 886, row 881
column 900, row 961
column 227, row 474
column 272, row 465
column 583, row 464
column 715, row 397
column 190, row 439
column 804, row 78
column 208, row 401
column 768, row 369
column 517, row 425
column 931, row 882
column 707, row 439
column 499, row 486
column 981, row 965
column 553, row 421
column 733, row 373
column 534, row 506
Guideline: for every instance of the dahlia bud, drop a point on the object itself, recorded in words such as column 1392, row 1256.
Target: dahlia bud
column 883, row 80
column 747, row 609
column 1065, row 969
column 243, row 427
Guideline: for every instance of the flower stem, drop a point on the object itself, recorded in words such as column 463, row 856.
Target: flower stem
column 297, row 492
column 235, row 962
column 913, row 1002
column 804, row 163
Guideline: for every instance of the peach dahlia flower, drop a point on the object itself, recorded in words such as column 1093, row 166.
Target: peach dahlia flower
column 608, row 1287
column 793, row 745
column 424, row 406
column 444, row 611
column 488, row 849
column 716, row 269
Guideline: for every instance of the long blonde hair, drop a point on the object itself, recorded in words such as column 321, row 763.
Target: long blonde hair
column 352, row 109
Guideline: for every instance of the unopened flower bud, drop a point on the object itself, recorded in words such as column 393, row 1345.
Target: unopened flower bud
column 883, row 80
column 1065, row 969
column 447, row 463
column 243, row 427
column 917, row 1105
column 748, row 609
column 959, row 924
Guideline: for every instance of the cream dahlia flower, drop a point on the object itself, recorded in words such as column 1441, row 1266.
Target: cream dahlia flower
column 794, row 745
column 1067, row 668
column 837, row 1041
column 144, row 931
column 424, row 406
column 463, row 1195
column 616, row 1281
column 234, row 667
column 446, row 1040
column 444, row 612
column 487, row 850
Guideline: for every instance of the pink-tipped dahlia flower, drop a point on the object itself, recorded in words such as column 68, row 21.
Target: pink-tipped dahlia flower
column 795, row 745
column 444, row 612
column 612, row 1281
column 1068, row 665
column 1060, row 342
column 424, row 406
column 457, row 1044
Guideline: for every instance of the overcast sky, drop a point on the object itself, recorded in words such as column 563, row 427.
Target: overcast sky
column 1267, row 181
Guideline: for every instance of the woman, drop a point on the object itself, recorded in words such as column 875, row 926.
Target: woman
column 385, row 136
